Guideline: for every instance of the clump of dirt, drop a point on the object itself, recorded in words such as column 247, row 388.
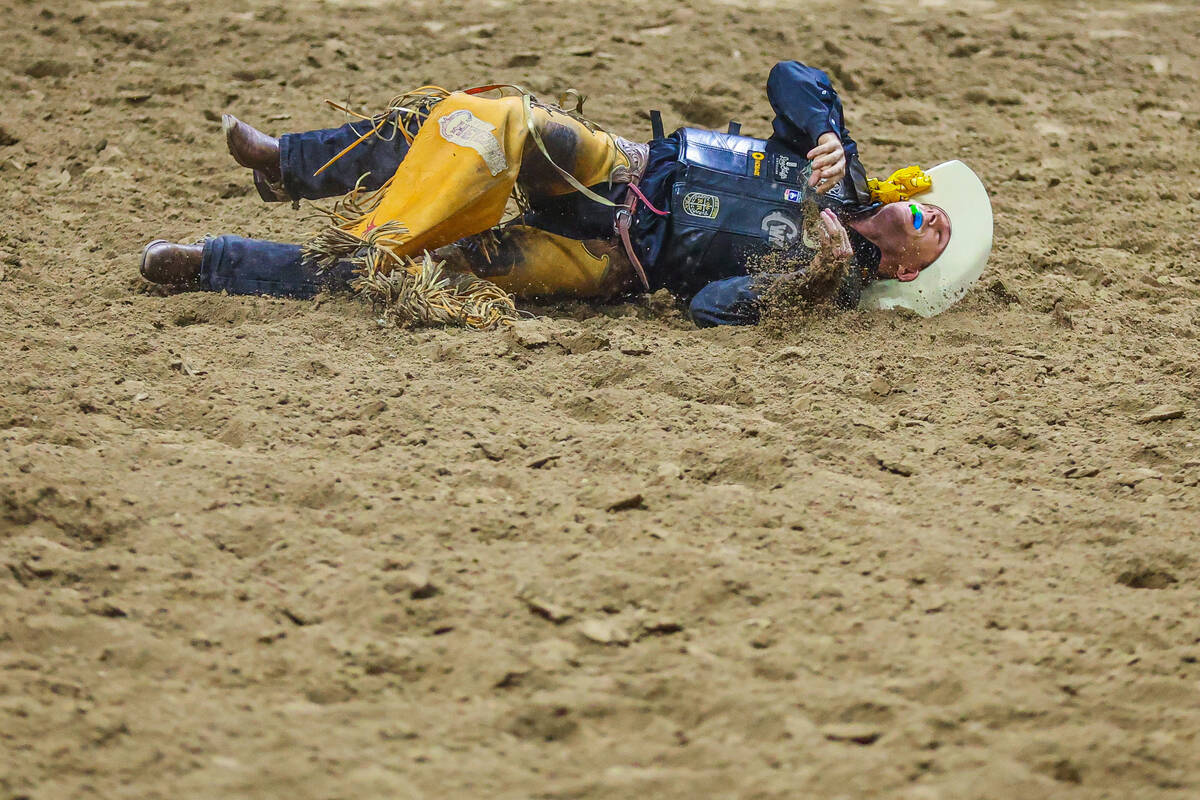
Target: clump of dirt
column 792, row 292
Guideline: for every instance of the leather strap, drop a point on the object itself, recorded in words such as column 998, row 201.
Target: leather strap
column 622, row 222
column 656, row 124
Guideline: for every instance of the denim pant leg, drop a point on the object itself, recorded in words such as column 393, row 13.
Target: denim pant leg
column 732, row 301
column 302, row 154
column 253, row 266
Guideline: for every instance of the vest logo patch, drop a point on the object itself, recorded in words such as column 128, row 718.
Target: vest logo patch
column 786, row 170
column 704, row 206
column 758, row 159
column 793, row 196
column 463, row 128
column 781, row 229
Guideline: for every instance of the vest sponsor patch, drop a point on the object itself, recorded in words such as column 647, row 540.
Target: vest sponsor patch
column 781, row 229
column 786, row 169
column 463, row 128
column 756, row 162
column 704, row 206
column 793, row 195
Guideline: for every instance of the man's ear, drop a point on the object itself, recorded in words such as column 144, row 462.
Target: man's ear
column 906, row 273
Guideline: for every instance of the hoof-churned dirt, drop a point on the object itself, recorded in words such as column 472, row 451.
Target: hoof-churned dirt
column 260, row 548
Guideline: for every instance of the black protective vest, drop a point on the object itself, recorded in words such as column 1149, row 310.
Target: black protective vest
column 735, row 198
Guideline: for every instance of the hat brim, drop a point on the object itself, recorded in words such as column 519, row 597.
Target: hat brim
column 959, row 192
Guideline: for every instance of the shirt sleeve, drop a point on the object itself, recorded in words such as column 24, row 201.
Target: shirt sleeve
column 806, row 106
column 732, row 301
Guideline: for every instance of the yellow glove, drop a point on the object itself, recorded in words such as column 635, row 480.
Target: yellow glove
column 901, row 185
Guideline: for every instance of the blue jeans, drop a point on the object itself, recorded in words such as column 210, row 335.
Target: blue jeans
column 302, row 154
column 253, row 266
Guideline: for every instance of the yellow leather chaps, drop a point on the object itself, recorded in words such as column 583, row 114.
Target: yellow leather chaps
column 457, row 181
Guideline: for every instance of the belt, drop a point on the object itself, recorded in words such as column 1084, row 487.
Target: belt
column 638, row 155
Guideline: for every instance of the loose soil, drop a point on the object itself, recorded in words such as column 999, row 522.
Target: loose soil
column 254, row 547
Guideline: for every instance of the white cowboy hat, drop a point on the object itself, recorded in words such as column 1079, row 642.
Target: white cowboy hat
column 959, row 192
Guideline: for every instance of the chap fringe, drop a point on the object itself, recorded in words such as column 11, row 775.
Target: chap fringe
column 412, row 292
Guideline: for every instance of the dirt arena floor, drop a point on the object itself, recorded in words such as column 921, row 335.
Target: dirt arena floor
column 264, row 548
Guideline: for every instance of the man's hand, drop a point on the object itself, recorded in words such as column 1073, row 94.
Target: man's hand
column 835, row 242
column 828, row 163
column 821, row 281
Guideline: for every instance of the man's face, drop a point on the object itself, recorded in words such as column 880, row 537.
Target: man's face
column 911, row 237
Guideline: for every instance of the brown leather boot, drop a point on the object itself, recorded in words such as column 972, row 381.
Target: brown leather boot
column 166, row 262
column 252, row 148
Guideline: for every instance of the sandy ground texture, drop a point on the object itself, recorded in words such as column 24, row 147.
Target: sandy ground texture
column 263, row 548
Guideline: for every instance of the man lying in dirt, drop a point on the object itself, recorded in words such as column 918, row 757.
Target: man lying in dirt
column 508, row 193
